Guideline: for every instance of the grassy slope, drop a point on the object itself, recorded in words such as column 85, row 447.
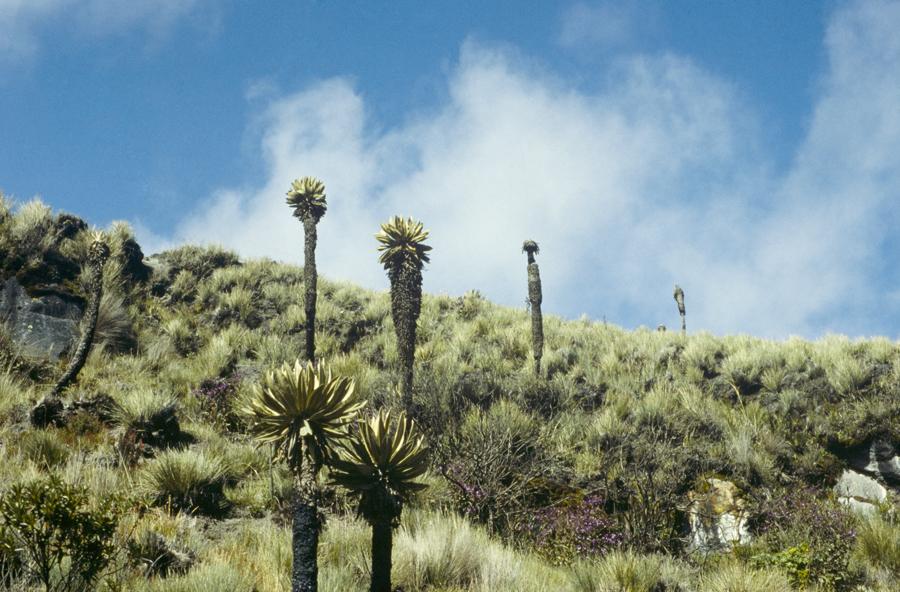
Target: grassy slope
column 620, row 412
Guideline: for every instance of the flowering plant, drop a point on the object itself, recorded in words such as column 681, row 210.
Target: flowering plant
column 577, row 528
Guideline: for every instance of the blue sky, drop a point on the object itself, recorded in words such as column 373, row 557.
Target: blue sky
column 748, row 151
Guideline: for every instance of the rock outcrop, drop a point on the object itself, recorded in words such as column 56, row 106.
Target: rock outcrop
column 44, row 324
column 872, row 474
column 718, row 516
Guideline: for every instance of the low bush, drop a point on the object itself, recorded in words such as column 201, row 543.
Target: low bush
column 66, row 539
column 809, row 538
column 216, row 397
column 576, row 528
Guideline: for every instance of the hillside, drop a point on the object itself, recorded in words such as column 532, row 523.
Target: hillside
column 636, row 456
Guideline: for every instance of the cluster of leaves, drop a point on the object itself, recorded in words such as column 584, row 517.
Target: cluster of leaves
column 64, row 539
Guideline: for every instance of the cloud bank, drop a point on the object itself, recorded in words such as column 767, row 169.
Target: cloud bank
column 21, row 20
column 661, row 177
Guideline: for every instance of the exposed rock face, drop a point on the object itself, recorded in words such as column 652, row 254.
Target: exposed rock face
column 878, row 459
column 718, row 517
column 45, row 325
column 874, row 471
column 859, row 492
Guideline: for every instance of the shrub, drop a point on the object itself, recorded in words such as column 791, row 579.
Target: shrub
column 187, row 481
column 66, row 541
column 149, row 422
column 157, row 556
column 216, row 400
column 493, row 462
column 578, row 528
column 200, row 261
column 11, row 566
column 647, row 470
column 794, row 562
column 810, row 539
column 184, row 337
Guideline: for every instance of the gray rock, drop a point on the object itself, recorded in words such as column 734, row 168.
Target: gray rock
column 858, row 486
column 877, row 459
column 46, row 325
column 859, row 507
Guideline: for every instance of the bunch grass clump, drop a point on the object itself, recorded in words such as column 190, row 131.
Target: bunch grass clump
column 187, row 481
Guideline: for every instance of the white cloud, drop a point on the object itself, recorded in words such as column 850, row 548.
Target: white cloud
column 605, row 24
column 17, row 18
column 660, row 179
column 21, row 20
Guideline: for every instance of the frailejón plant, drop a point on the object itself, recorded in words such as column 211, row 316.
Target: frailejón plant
column 385, row 455
column 679, row 300
column 307, row 197
column 403, row 254
column 302, row 410
column 535, row 298
column 97, row 256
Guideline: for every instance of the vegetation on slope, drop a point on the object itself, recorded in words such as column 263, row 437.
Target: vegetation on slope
column 574, row 479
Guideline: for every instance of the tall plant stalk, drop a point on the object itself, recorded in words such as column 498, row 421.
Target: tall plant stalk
column 403, row 255
column 535, row 297
column 307, row 197
column 97, row 256
column 679, row 300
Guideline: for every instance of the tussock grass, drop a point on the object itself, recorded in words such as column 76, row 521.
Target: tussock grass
column 187, row 481
column 203, row 578
column 626, row 571
column 736, row 577
column 878, row 543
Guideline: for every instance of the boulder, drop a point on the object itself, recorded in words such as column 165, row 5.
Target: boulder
column 878, row 459
column 41, row 325
column 855, row 485
column 873, row 473
column 717, row 516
